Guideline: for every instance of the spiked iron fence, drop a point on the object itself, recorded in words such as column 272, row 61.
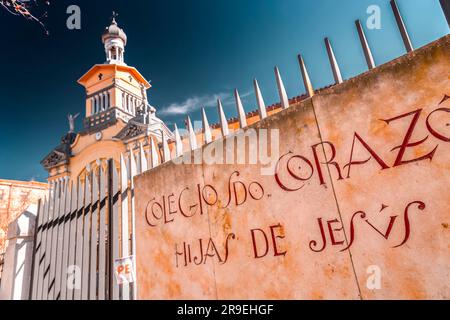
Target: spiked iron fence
column 83, row 227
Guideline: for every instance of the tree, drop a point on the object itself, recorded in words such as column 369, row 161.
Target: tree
column 26, row 9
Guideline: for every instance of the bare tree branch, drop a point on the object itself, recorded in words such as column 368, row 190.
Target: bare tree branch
column 25, row 8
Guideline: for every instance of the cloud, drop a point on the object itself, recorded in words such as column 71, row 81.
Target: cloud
column 193, row 103
column 196, row 102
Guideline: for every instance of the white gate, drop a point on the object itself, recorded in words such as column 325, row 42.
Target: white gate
column 83, row 227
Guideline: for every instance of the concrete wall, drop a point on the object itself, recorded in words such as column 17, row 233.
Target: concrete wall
column 357, row 206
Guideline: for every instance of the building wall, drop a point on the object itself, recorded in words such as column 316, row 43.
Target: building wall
column 15, row 197
column 357, row 206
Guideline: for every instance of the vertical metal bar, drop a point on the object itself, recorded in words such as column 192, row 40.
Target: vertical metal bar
column 61, row 236
column 113, row 182
column 445, row 4
column 365, row 45
column 94, row 239
column 55, row 240
column 166, row 150
column 401, row 27
column 102, row 238
column 138, row 159
column 333, row 62
column 79, row 238
column 125, row 235
column 143, row 165
column 48, row 250
column 86, row 238
column 36, row 251
column 133, row 173
column 178, row 146
column 42, row 249
column 67, row 235
column 72, row 239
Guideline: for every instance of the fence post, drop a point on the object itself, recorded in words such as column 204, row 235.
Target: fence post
column 36, row 251
column 17, row 269
column 113, row 227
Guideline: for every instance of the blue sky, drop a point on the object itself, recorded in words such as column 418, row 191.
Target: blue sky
column 192, row 51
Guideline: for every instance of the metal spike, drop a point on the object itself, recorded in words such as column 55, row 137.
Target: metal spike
column 178, row 143
column 223, row 119
column 143, row 159
column 401, row 27
column 333, row 62
column 166, row 150
column 259, row 100
column 306, row 81
column 281, row 90
column 154, row 154
column 240, row 110
column 206, row 128
column 192, row 137
column 445, row 4
column 365, row 45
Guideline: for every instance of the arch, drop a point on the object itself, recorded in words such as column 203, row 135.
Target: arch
column 90, row 154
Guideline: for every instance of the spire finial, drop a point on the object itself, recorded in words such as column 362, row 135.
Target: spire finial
column 113, row 17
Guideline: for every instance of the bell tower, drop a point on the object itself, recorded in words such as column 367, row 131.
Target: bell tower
column 114, row 90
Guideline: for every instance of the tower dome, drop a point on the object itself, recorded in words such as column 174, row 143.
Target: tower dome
column 114, row 40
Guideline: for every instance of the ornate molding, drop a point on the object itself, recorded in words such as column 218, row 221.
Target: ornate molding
column 131, row 131
column 53, row 159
